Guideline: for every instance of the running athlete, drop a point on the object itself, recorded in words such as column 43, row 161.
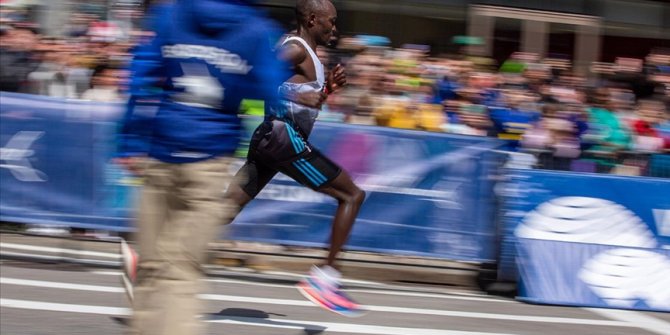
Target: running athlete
column 280, row 144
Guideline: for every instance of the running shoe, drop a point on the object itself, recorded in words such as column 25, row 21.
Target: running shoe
column 129, row 260
column 327, row 293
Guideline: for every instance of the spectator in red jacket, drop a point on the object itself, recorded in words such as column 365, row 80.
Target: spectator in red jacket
column 650, row 114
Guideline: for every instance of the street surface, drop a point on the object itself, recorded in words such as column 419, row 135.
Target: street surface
column 46, row 299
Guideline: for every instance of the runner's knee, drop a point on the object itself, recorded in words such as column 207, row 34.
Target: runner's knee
column 355, row 197
column 359, row 196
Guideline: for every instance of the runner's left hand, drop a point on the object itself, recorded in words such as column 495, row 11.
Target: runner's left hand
column 337, row 78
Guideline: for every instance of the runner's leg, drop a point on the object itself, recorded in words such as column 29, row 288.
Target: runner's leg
column 349, row 200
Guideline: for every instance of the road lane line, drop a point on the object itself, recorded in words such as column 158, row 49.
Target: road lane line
column 371, row 291
column 67, row 286
column 56, row 307
column 430, row 295
column 336, row 327
column 106, row 273
column 59, row 250
column 422, row 311
column 387, row 286
column 382, row 290
column 50, row 258
column 372, row 308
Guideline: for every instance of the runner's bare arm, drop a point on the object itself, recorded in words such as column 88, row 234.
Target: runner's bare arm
column 292, row 53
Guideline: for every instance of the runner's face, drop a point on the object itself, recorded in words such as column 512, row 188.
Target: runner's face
column 325, row 24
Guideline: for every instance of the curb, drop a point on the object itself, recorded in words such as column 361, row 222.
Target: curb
column 241, row 257
column 362, row 266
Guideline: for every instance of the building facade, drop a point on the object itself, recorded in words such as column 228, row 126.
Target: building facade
column 580, row 30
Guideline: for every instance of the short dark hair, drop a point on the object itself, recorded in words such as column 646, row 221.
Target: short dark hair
column 303, row 8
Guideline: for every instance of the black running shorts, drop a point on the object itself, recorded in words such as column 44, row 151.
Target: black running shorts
column 277, row 147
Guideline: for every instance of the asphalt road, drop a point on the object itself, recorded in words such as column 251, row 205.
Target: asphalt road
column 45, row 299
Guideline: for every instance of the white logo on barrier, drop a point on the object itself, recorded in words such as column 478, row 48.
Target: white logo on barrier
column 662, row 218
column 14, row 156
column 586, row 220
column 622, row 277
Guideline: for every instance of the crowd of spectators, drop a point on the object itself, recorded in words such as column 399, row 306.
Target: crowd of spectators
column 612, row 119
column 88, row 62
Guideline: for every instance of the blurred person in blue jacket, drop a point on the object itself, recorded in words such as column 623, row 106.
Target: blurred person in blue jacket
column 179, row 133
column 510, row 123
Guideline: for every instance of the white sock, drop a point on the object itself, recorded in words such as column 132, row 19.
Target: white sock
column 328, row 275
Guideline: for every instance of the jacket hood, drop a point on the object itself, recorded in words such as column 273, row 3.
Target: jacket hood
column 214, row 16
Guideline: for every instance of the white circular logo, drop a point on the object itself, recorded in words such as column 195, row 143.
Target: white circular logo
column 621, row 277
column 586, row 220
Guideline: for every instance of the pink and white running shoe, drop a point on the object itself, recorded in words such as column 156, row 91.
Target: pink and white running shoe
column 129, row 259
column 322, row 287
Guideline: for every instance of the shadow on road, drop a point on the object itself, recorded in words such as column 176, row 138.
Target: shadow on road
column 246, row 316
column 260, row 317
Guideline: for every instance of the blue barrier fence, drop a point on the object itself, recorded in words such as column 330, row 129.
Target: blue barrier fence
column 567, row 238
column 55, row 163
column 594, row 275
column 428, row 193
column 587, row 240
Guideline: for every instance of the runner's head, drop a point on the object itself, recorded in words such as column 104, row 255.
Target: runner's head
column 317, row 18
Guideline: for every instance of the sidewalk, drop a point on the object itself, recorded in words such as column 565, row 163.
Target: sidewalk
column 249, row 256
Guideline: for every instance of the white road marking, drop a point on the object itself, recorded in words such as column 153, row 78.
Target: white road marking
column 375, row 308
column 336, row 327
column 55, row 307
column 106, row 273
column 67, row 286
column 61, row 258
column 429, row 295
column 635, row 319
column 369, row 291
column 59, row 250
column 40, row 257
column 383, row 290
column 452, row 294
column 423, row 311
column 376, row 284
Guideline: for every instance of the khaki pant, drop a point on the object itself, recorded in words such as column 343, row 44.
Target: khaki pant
column 181, row 210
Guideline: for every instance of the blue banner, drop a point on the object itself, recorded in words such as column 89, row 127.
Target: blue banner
column 427, row 194
column 55, row 163
column 573, row 220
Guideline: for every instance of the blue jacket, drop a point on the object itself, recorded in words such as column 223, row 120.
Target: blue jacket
column 188, row 81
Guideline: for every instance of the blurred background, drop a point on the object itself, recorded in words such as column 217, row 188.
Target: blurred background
column 528, row 72
column 479, row 129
